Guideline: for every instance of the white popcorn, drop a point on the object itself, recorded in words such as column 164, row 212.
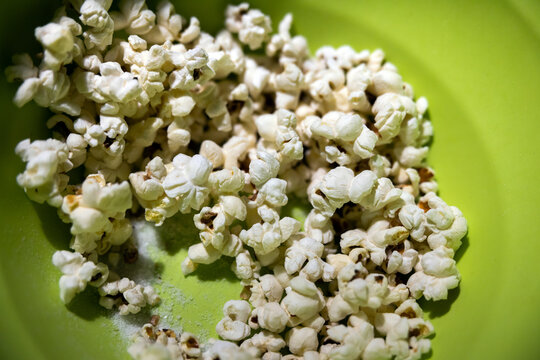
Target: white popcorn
column 48, row 89
column 225, row 350
column 335, row 125
column 23, row 68
column 58, row 41
column 446, row 223
column 266, row 237
column 373, row 193
column 188, row 181
column 271, row 287
column 386, row 81
column 227, row 181
column 403, row 259
column 309, row 250
column 236, row 148
column 437, row 275
column 78, row 272
column 353, row 339
column 237, row 309
column 252, row 26
column 127, row 296
column 390, row 109
column 94, row 14
column 228, row 208
column 45, row 159
column 303, row 300
column 301, row 340
column 264, row 342
column 168, row 24
column 413, row 219
column 256, row 78
column 199, row 254
column 152, row 343
column 273, row 193
column 333, row 191
column 233, row 326
column 194, row 70
column 263, row 169
column 319, row 227
column 213, row 153
column 278, row 131
column 396, row 330
column 376, row 349
column 272, row 317
column 134, row 17
column 95, row 214
column 379, row 235
column 113, row 84
column 244, row 267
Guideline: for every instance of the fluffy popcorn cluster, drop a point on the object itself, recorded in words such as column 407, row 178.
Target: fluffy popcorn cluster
column 171, row 120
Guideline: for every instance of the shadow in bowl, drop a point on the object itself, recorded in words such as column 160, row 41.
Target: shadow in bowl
column 84, row 305
column 463, row 248
column 219, row 270
column 56, row 231
column 177, row 233
column 437, row 309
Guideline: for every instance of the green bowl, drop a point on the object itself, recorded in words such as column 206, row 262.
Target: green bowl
column 477, row 62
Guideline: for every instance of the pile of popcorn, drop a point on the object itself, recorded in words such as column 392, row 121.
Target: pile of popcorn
column 164, row 118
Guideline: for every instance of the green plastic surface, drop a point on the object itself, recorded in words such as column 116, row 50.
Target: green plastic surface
column 477, row 62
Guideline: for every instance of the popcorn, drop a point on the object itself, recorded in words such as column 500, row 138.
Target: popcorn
column 264, row 342
column 94, row 14
column 437, row 275
column 446, row 223
column 301, row 340
column 385, row 81
column 373, row 193
column 319, row 227
column 266, row 237
column 311, row 251
column 98, row 212
column 165, row 118
column 244, row 267
column 168, row 24
column 251, row 25
column 271, row 317
column 134, row 17
column 58, row 41
column 353, row 339
column 263, row 169
column 225, row 350
column 303, row 300
column 233, row 326
column 378, row 237
column 46, row 160
column 390, row 110
column 188, row 181
column 127, row 296
column 333, row 191
column 402, row 259
column 78, row 272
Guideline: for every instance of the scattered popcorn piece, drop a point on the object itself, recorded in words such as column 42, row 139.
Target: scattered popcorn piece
column 127, row 296
column 78, row 272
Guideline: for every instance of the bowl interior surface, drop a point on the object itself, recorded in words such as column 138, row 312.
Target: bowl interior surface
column 477, row 64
